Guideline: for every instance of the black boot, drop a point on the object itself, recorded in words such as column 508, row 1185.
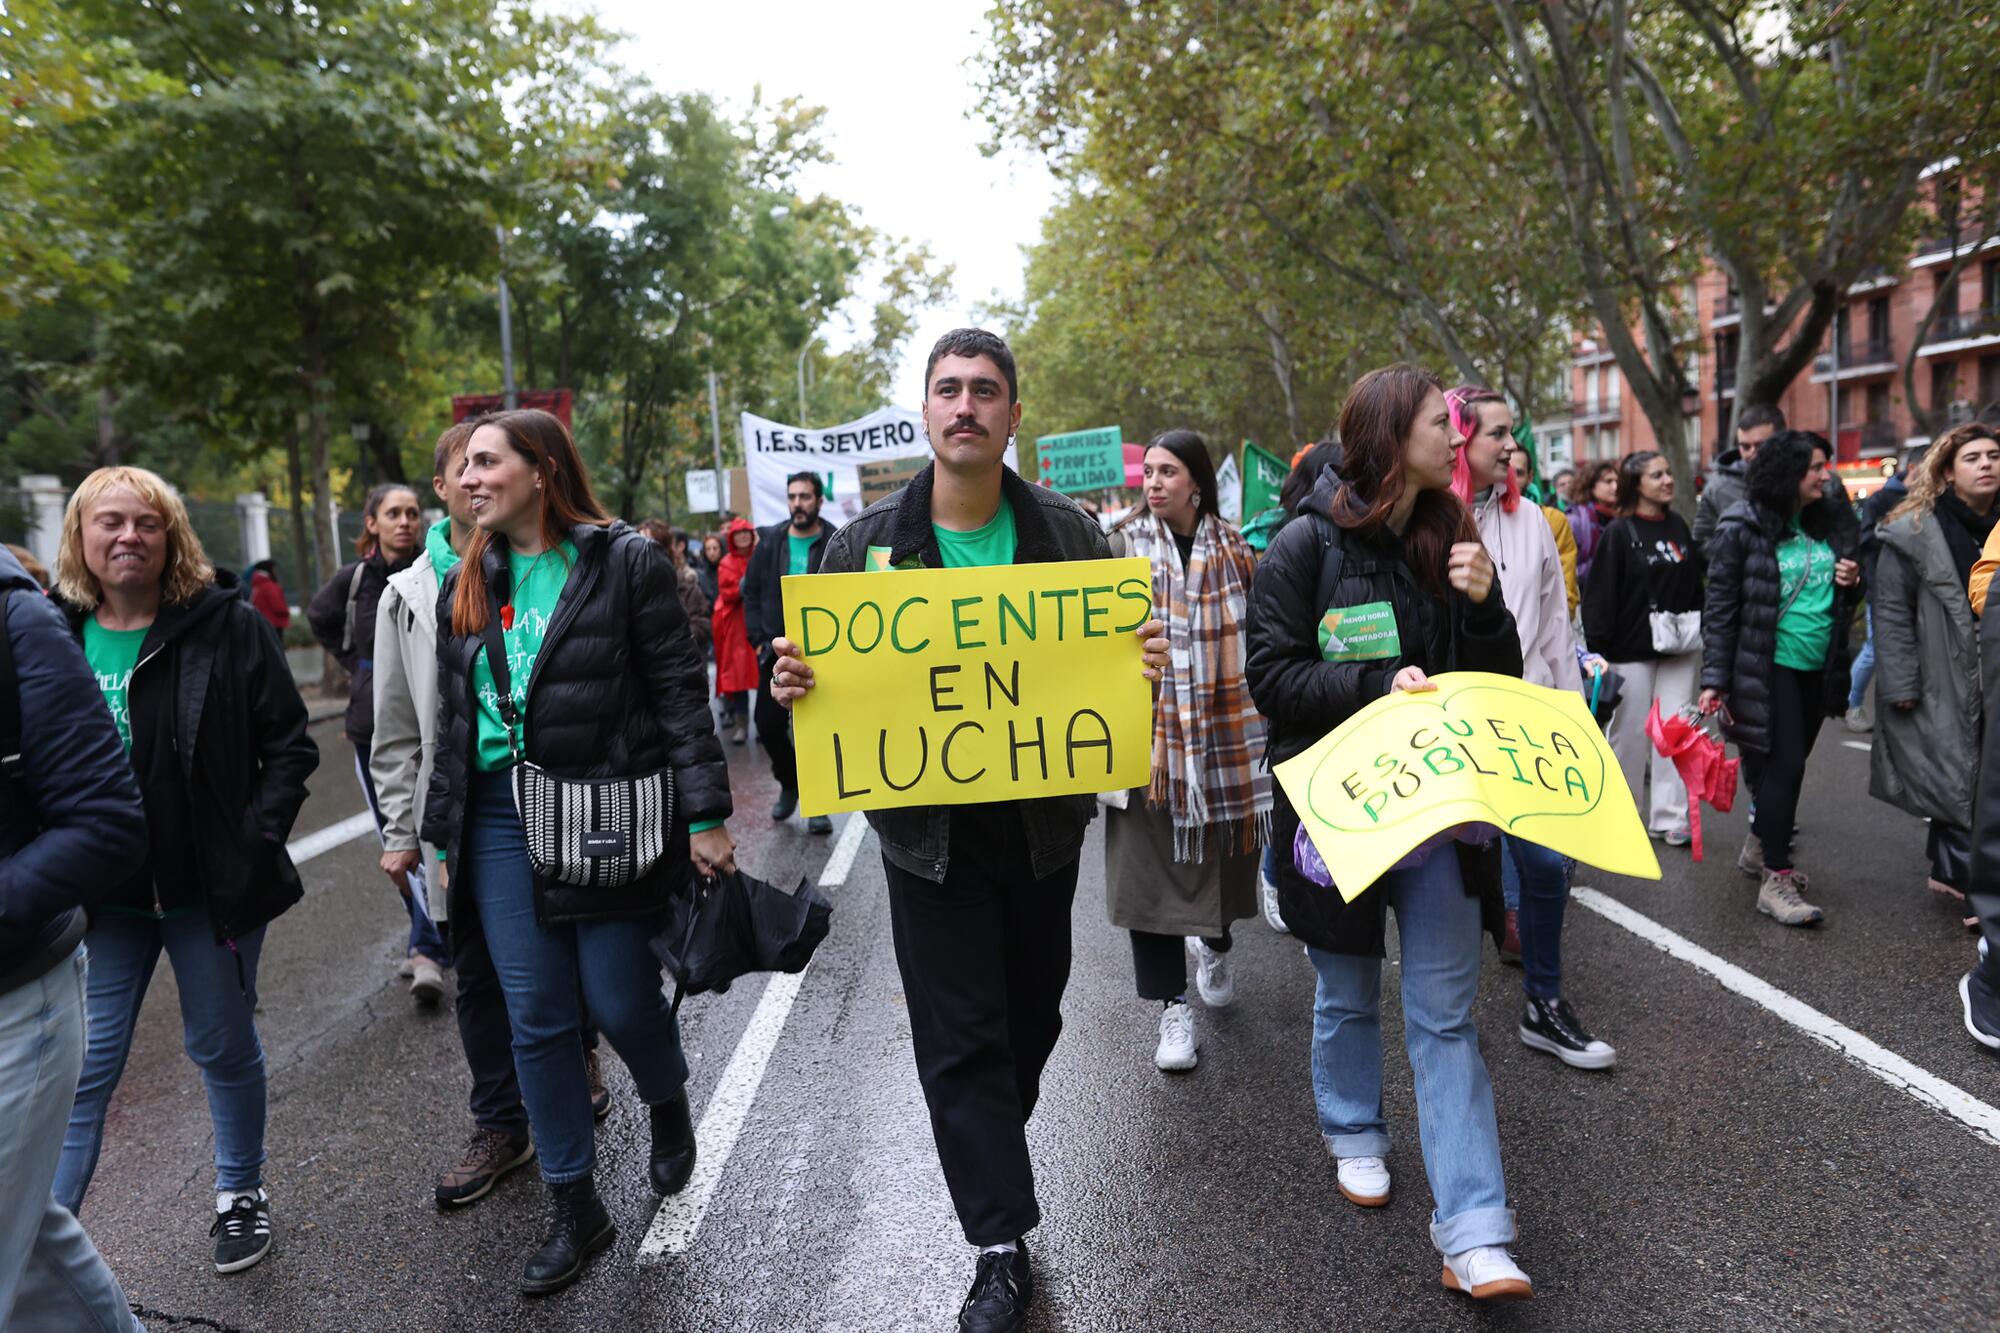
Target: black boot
column 673, row 1145
column 578, row 1228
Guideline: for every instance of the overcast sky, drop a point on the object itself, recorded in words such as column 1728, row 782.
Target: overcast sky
column 901, row 122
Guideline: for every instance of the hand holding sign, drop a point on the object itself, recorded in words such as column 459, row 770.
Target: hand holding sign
column 1464, row 748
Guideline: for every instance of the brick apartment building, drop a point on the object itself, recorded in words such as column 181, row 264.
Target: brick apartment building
column 1957, row 371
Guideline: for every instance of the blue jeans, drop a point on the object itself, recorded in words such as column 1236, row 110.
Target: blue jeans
column 1863, row 669
column 424, row 936
column 1439, row 929
column 51, row 1276
column 541, row 969
column 1537, row 884
column 218, row 1032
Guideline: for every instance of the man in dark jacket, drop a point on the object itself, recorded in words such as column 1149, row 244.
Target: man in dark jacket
column 979, row 895
column 795, row 547
column 70, row 824
column 1724, row 486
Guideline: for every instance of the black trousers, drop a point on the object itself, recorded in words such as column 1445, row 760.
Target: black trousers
column 483, row 1029
column 1159, row 963
column 985, row 957
column 774, row 727
column 1777, row 778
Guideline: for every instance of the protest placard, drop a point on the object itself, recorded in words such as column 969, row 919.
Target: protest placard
column 950, row 686
column 1082, row 460
column 1478, row 749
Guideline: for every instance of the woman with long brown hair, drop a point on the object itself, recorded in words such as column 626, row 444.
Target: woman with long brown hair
column 598, row 679
column 1928, row 715
column 1386, row 546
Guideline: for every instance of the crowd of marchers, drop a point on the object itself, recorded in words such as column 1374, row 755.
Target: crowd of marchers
column 156, row 755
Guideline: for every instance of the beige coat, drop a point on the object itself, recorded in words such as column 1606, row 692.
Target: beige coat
column 400, row 756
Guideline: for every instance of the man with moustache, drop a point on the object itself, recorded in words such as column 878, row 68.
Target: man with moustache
column 794, row 547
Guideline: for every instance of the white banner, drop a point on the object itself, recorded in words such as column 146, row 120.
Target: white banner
column 1229, row 490
column 859, row 461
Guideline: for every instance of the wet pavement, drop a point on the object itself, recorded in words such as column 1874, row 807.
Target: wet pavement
column 1732, row 1172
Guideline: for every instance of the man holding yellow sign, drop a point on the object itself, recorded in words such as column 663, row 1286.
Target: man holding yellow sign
column 972, row 707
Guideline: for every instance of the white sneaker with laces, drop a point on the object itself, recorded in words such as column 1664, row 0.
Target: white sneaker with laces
column 1267, row 897
column 426, row 980
column 1364, row 1180
column 1212, row 977
column 1176, row 1051
column 1487, row 1273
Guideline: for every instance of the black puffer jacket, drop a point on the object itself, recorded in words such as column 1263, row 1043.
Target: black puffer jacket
column 1739, row 621
column 763, row 584
column 220, row 749
column 618, row 690
column 1305, row 697
column 353, row 646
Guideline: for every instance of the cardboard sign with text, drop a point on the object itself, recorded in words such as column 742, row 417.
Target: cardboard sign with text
column 1478, row 749
column 951, row 686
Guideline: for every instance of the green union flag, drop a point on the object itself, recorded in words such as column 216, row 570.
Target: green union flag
column 1263, row 477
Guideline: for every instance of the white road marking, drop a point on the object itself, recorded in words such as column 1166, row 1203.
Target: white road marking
column 304, row 849
column 680, row 1216
column 1863, row 746
column 1979, row 1117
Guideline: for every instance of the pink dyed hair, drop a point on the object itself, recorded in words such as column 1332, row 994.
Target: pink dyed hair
column 1464, row 403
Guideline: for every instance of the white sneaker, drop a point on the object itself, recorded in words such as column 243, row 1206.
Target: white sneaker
column 1176, row 1051
column 1364, row 1180
column 426, row 980
column 407, row 968
column 1267, row 897
column 1212, row 977
column 1677, row 837
column 1487, row 1273
column 1857, row 721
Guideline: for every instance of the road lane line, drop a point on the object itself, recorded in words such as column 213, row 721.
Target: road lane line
column 1983, row 1120
column 304, row 849
column 680, row 1215
column 1863, row 746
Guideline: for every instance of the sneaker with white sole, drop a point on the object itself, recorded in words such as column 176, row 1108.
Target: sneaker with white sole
column 1487, row 1273
column 1982, row 1009
column 426, row 980
column 1212, row 977
column 242, row 1229
column 1677, row 837
column 1267, row 898
column 1176, row 1052
column 1364, row 1180
column 1781, row 897
column 1552, row 1026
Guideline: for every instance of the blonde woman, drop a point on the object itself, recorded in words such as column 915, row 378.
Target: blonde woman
column 214, row 728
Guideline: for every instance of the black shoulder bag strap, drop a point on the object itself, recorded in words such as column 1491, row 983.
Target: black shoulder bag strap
column 1332, row 553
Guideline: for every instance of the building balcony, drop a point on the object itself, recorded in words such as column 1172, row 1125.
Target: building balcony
column 1945, row 244
column 1725, row 380
column 1962, row 331
column 1599, row 413
column 1874, row 356
column 1868, row 439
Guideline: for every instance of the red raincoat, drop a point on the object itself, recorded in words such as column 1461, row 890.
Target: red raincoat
column 735, row 656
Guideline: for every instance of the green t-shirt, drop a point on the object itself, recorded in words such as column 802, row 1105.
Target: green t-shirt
column 800, row 549
column 1805, row 594
column 538, row 583
column 992, row 544
column 112, row 653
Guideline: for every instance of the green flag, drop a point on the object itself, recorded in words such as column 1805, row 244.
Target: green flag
column 1263, row 477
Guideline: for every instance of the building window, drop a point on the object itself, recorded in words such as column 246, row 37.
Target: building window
column 1611, row 381
column 1607, row 442
column 1726, row 344
column 1944, row 384
column 1989, row 379
column 1878, row 404
column 1989, row 287
column 1947, row 304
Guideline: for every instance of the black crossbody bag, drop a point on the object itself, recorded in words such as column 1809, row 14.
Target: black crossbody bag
column 591, row 832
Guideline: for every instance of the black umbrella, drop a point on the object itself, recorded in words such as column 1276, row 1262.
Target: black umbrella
column 736, row 924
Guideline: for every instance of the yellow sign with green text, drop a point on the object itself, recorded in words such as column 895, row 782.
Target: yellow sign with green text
column 950, row 686
column 1478, row 749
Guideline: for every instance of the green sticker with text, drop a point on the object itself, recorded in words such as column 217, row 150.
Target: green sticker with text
column 1362, row 633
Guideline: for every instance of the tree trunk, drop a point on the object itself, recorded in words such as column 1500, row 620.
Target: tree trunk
column 1286, row 372
column 302, row 578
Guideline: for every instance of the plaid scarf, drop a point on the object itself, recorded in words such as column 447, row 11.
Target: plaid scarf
column 1208, row 738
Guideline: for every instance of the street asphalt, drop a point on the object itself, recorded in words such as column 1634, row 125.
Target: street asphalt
column 1732, row 1172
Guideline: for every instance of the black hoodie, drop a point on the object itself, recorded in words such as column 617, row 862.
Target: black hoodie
column 220, row 749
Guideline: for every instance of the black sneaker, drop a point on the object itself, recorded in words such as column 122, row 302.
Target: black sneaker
column 1001, row 1292
column 788, row 801
column 1552, row 1026
column 1982, row 1009
column 819, row 824
column 242, row 1233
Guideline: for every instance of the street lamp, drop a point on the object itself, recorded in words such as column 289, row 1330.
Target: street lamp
column 802, row 381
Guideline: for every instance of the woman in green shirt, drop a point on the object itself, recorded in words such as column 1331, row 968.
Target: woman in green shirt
column 1782, row 584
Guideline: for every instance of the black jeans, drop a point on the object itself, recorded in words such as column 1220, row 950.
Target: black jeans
column 1159, row 963
column 985, row 957
column 774, row 727
column 1950, row 850
column 1776, row 778
column 483, row 1028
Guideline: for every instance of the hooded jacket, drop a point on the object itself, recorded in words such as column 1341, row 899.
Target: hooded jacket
column 403, row 752
column 735, row 655
column 618, row 690
column 72, row 825
column 1523, row 548
column 220, row 750
column 1739, row 621
column 1047, row 526
column 1721, row 492
column 1926, row 653
column 1305, row 697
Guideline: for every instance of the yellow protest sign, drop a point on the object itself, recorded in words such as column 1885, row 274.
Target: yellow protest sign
column 949, row 686
column 1479, row 748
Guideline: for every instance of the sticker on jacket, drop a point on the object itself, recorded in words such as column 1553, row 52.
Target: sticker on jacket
column 877, row 560
column 1364, row 633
